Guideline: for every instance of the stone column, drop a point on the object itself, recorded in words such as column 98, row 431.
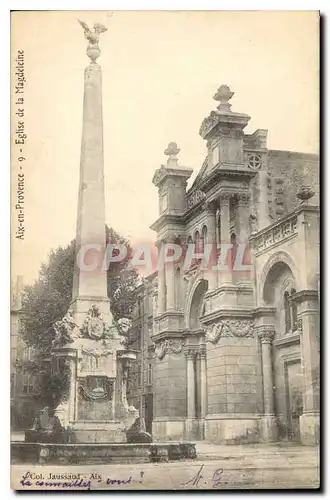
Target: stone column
column 224, row 276
column 170, row 286
column 72, row 390
column 308, row 325
column 161, row 284
column 242, row 238
column 203, row 390
column 191, row 390
column 211, row 239
column 266, row 335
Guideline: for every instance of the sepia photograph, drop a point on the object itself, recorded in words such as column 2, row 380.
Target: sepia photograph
column 165, row 250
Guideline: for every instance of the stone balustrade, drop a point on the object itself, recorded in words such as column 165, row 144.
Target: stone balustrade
column 194, row 198
column 276, row 233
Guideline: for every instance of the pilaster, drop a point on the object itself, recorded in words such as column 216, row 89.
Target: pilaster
column 266, row 334
column 224, row 263
column 211, row 240
column 308, row 321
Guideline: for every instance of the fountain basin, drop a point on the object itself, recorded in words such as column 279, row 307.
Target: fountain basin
column 100, row 453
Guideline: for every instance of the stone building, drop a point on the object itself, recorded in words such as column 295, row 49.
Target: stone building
column 231, row 354
column 24, row 390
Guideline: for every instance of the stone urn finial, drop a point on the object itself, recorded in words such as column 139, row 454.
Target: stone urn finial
column 172, row 149
column 305, row 194
column 223, row 94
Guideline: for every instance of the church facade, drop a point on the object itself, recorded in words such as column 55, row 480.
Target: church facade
column 229, row 349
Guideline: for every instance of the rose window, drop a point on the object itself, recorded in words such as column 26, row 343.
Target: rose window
column 254, row 162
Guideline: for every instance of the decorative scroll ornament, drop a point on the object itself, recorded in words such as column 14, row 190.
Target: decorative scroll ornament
column 66, row 330
column 231, row 328
column 94, row 325
column 208, row 124
column 213, row 332
column 195, row 198
column 159, row 175
column 168, row 346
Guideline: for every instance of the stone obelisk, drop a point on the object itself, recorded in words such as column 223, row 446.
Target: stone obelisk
column 90, row 278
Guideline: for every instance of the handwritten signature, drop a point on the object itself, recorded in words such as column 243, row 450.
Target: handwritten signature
column 195, row 481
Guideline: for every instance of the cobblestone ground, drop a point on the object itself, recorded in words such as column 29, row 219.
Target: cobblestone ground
column 217, row 467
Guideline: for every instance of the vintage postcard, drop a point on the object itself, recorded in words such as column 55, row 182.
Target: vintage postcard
column 165, row 250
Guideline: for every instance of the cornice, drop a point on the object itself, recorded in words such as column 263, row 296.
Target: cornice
column 304, row 295
column 173, row 171
column 286, row 341
column 264, row 311
column 167, row 314
column 168, row 335
column 219, row 173
column 227, row 313
column 165, row 219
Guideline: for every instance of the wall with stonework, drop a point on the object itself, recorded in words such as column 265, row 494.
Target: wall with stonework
column 170, row 386
column 297, row 246
column 234, row 376
column 294, row 170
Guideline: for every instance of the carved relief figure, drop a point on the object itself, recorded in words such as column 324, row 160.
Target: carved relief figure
column 66, row 329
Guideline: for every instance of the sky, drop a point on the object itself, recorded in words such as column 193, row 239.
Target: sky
column 160, row 72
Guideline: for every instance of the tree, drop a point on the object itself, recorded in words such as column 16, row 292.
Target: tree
column 48, row 300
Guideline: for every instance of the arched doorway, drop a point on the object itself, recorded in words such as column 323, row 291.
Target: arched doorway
column 278, row 293
column 196, row 306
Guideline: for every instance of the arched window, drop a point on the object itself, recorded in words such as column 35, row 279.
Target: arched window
column 197, row 242
column 218, row 228
column 233, row 250
column 204, row 238
column 287, row 313
column 233, row 211
column 293, row 311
